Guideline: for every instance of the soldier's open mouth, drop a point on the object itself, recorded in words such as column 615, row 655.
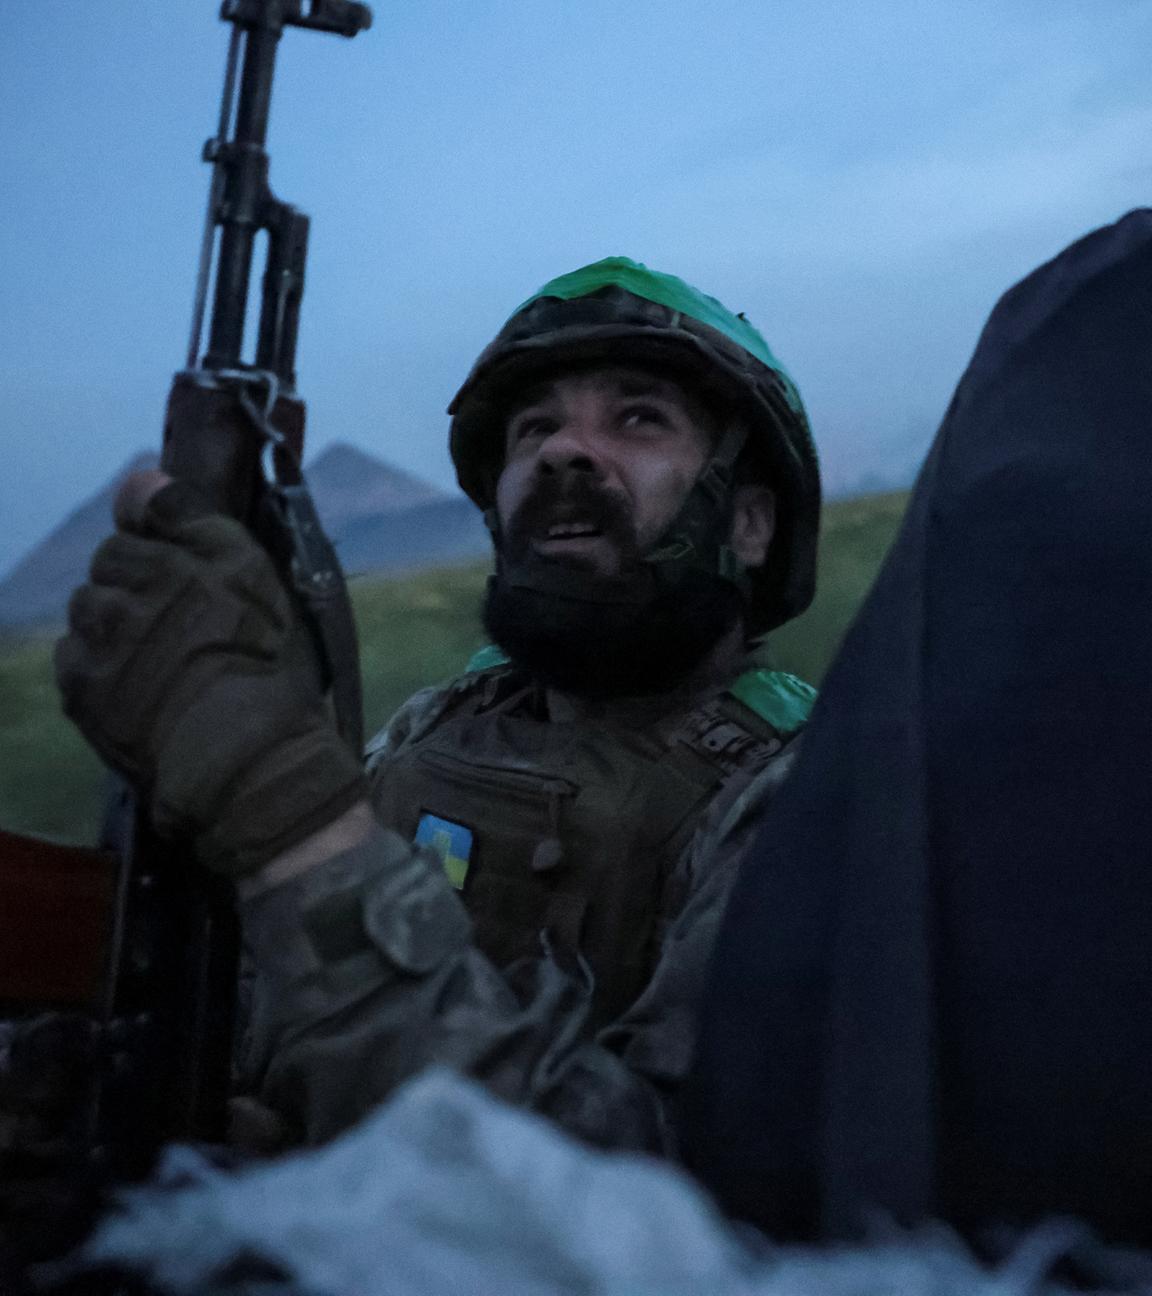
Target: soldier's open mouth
column 589, row 531
column 577, row 540
column 571, row 530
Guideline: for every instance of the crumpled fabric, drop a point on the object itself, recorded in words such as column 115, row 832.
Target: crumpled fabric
column 446, row 1191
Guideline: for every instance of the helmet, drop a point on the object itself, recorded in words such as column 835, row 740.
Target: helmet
column 618, row 311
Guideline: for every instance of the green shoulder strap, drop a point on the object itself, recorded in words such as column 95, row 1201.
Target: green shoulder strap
column 485, row 658
column 783, row 700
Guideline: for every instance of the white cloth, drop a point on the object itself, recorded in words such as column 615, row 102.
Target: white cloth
column 445, row 1190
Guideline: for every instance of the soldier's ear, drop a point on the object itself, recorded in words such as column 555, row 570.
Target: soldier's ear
column 753, row 523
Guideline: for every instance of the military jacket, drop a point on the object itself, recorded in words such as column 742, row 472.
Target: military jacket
column 373, row 966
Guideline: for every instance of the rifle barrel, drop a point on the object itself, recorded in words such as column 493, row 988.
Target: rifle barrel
column 213, row 152
column 245, row 196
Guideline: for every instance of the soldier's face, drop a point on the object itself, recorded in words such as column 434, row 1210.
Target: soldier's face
column 598, row 463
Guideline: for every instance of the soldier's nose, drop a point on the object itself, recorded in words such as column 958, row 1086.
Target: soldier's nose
column 576, row 463
column 570, row 449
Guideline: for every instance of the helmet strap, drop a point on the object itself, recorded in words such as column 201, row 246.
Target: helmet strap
column 697, row 537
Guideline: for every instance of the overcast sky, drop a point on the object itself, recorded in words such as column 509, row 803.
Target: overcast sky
column 862, row 179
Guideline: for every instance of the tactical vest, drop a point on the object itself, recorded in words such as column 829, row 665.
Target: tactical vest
column 572, row 829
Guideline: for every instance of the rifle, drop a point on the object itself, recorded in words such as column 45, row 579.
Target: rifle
column 160, row 1033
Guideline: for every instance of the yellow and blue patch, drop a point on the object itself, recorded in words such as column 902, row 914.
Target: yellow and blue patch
column 451, row 841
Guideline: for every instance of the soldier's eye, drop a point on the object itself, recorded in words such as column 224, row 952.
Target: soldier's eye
column 532, row 425
column 635, row 416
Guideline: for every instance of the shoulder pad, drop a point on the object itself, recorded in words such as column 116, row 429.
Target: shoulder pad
column 485, row 658
column 783, row 700
column 489, row 676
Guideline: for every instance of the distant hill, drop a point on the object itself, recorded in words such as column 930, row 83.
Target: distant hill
column 892, row 465
column 381, row 519
column 349, row 485
column 446, row 530
column 38, row 587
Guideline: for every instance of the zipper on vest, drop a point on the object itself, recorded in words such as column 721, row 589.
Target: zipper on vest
column 500, row 778
column 548, row 854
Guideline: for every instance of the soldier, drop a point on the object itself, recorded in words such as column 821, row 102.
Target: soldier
column 525, row 881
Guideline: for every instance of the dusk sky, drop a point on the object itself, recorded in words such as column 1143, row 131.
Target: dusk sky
column 862, row 179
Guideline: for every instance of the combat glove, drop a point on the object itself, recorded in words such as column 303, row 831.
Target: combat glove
column 188, row 670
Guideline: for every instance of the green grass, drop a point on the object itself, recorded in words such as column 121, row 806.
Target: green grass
column 854, row 539
column 414, row 630
column 50, row 781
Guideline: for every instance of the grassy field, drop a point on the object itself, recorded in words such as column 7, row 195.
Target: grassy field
column 414, row 631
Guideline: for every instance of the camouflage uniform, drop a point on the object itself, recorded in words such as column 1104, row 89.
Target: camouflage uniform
column 343, row 1011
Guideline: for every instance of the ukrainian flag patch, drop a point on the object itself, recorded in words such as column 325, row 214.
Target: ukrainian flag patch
column 451, row 841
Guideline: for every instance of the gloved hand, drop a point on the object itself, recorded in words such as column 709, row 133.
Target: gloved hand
column 187, row 668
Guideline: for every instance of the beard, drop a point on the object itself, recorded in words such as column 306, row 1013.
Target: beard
column 641, row 631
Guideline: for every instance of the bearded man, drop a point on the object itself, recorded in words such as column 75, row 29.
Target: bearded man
column 525, row 881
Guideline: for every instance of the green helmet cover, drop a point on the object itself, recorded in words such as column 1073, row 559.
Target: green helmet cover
column 666, row 290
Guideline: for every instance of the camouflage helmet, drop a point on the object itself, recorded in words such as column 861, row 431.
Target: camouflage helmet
column 618, row 311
